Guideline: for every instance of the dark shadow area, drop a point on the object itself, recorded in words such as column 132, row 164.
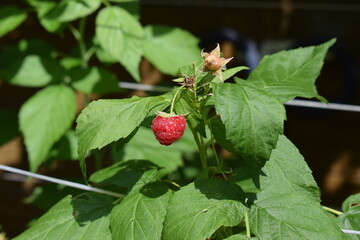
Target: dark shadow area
column 91, row 206
column 154, row 189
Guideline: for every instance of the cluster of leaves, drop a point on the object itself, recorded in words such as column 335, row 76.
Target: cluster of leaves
column 270, row 194
column 45, row 119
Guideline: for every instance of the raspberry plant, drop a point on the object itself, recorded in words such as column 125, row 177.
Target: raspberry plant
column 264, row 191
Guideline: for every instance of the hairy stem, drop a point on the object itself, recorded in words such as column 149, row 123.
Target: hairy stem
column 336, row 212
column 173, row 100
column 247, row 224
column 201, row 147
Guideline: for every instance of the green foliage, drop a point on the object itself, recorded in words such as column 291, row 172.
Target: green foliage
column 253, row 120
column 292, row 73
column 10, row 18
column 351, row 217
column 265, row 192
column 169, row 48
column 84, row 217
column 93, row 80
column 121, row 36
column 289, row 204
column 106, row 121
column 44, row 118
column 140, row 215
column 196, row 211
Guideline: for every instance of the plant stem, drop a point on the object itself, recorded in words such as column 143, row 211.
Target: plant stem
column 171, row 182
column 106, row 3
column 336, row 212
column 247, row 225
column 79, row 36
column 173, row 100
column 201, row 147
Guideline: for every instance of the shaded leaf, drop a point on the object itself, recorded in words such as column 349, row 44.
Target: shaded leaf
column 94, row 80
column 141, row 214
column 66, row 148
column 86, row 218
column 253, row 120
column 169, row 48
column 121, row 36
column 44, row 118
column 292, row 73
column 144, row 146
column 351, row 218
column 43, row 8
column 197, row 210
column 10, row 18
column 66, row 11
column 125, row 174
column 33, row 71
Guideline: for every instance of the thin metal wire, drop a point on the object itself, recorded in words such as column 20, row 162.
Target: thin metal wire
column 59, row 181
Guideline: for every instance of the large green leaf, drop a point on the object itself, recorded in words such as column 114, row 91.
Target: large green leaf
column 70, row 10
column 106, row 121
column 144, row 146
column 288, row 206
column 33, row 71
column 141, row 214
column 94, row 80
column 292, row 73
column 121, row 36
column 10, row 18
column 85, row 217
column 253, row 120
column 199, row 209
column 169, row 48
column 44, row 118
column 66, row 148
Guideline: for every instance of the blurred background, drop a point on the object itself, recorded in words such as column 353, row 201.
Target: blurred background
column 328, row 140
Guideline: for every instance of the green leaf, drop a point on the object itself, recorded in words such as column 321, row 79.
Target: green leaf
column 94, row 80
column 351, row 201
column 232, row 71
column 351, row 218
column 33, row 71
column 292, row 73
column 141, row 214
column 169, row 48
column 144, row 146
column 70, row 62
column 199, row 209
column 70, row 10
column 66, row 148
column 288, row 206
column 186, row 105
column 10, row 18
column 9, row 127
column 106, row 121
column 125, row 174
column 84, row 217
column 253, row 120
column 121, row 36
column 43, row 8
column 44, row 118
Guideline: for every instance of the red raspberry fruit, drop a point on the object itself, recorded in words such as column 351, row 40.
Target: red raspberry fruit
column 168, row 128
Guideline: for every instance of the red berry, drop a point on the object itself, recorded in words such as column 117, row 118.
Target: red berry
column 167, row 128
